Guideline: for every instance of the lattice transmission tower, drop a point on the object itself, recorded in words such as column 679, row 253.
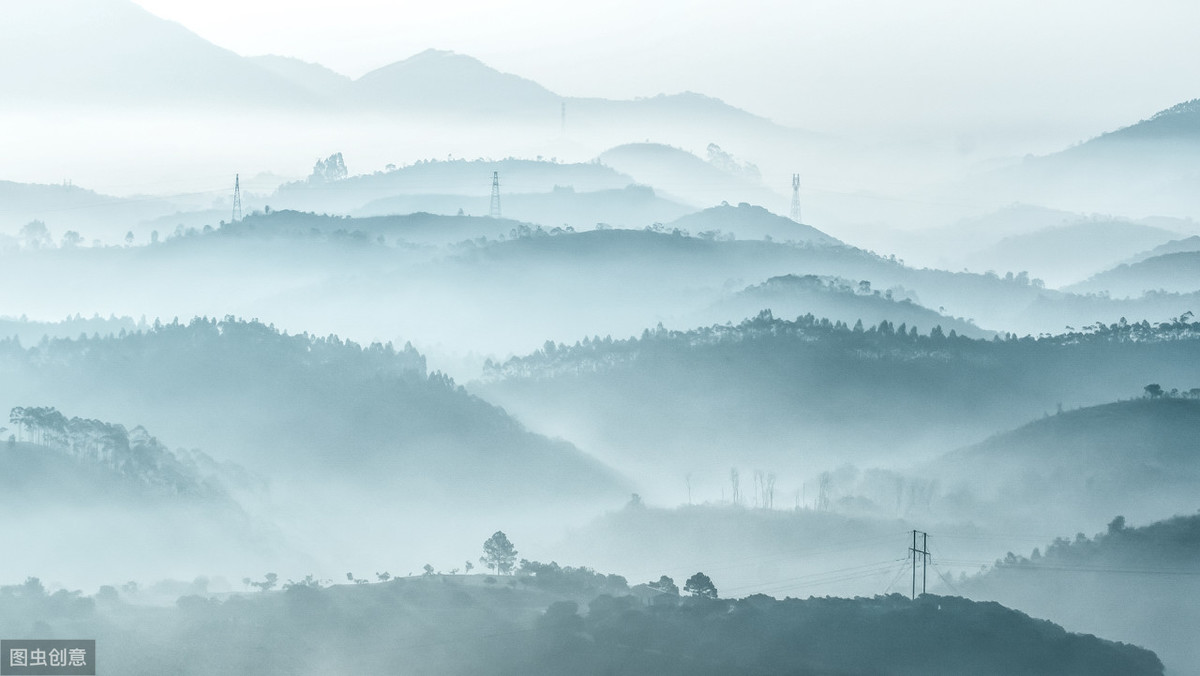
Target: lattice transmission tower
column 237, row 198
column 495, row 212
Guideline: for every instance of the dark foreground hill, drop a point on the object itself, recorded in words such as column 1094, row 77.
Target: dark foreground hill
column 464, row 625
column 1136, row 584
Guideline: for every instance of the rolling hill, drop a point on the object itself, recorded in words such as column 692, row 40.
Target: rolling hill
column 1137, row 457
column 1171, row 272
column 1128, row 583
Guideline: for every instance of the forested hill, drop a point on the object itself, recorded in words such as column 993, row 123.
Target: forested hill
column 1079, row 466
column 300, row 406
column 769, row 390
column 484, row 625
column 1136, row 584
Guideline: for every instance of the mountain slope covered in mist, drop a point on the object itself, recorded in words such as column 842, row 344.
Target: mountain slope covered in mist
column 304, row 407
column 781, row 394
column 1171, row 272
column 1136, row 456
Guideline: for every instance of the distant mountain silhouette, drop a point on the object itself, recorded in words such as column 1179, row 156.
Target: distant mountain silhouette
column 312, row 76
column 445, row 82
column 114, row 53
column 1174, row 272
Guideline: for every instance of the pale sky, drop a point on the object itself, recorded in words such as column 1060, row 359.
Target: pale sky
column 1068, row 67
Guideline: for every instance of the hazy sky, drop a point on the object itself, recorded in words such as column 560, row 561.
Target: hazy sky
column 1052, row 69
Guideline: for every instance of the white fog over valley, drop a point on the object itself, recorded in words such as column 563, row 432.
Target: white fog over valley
column 758, row 338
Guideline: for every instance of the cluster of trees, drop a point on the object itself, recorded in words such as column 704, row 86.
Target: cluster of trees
column 1171, row 542
column 131, row 453
column 1156, row 391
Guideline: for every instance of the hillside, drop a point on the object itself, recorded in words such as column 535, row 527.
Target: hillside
column 1069, row 253
column 787, row 395
column 1128, row 583
column 1171, row 272
column 82, row 483
column 746, row 221
column 1174, row 246
column 304, row 407
column 1077, row 466
column 833, row 298
column 1143, row 168
column 456, row 625
column 313, row 77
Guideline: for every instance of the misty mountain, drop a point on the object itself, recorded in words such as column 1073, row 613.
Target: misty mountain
column 1172, row 272
column 457, row 85
column 1077, row 466
column 1069, row 253
column 1143, row 168
column 681, row 175
column 313, row 77
column 461, row 624
column 1128, row 583
column 633, row 206
column 303, row 406
column 792, row 396
column 114, row 53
